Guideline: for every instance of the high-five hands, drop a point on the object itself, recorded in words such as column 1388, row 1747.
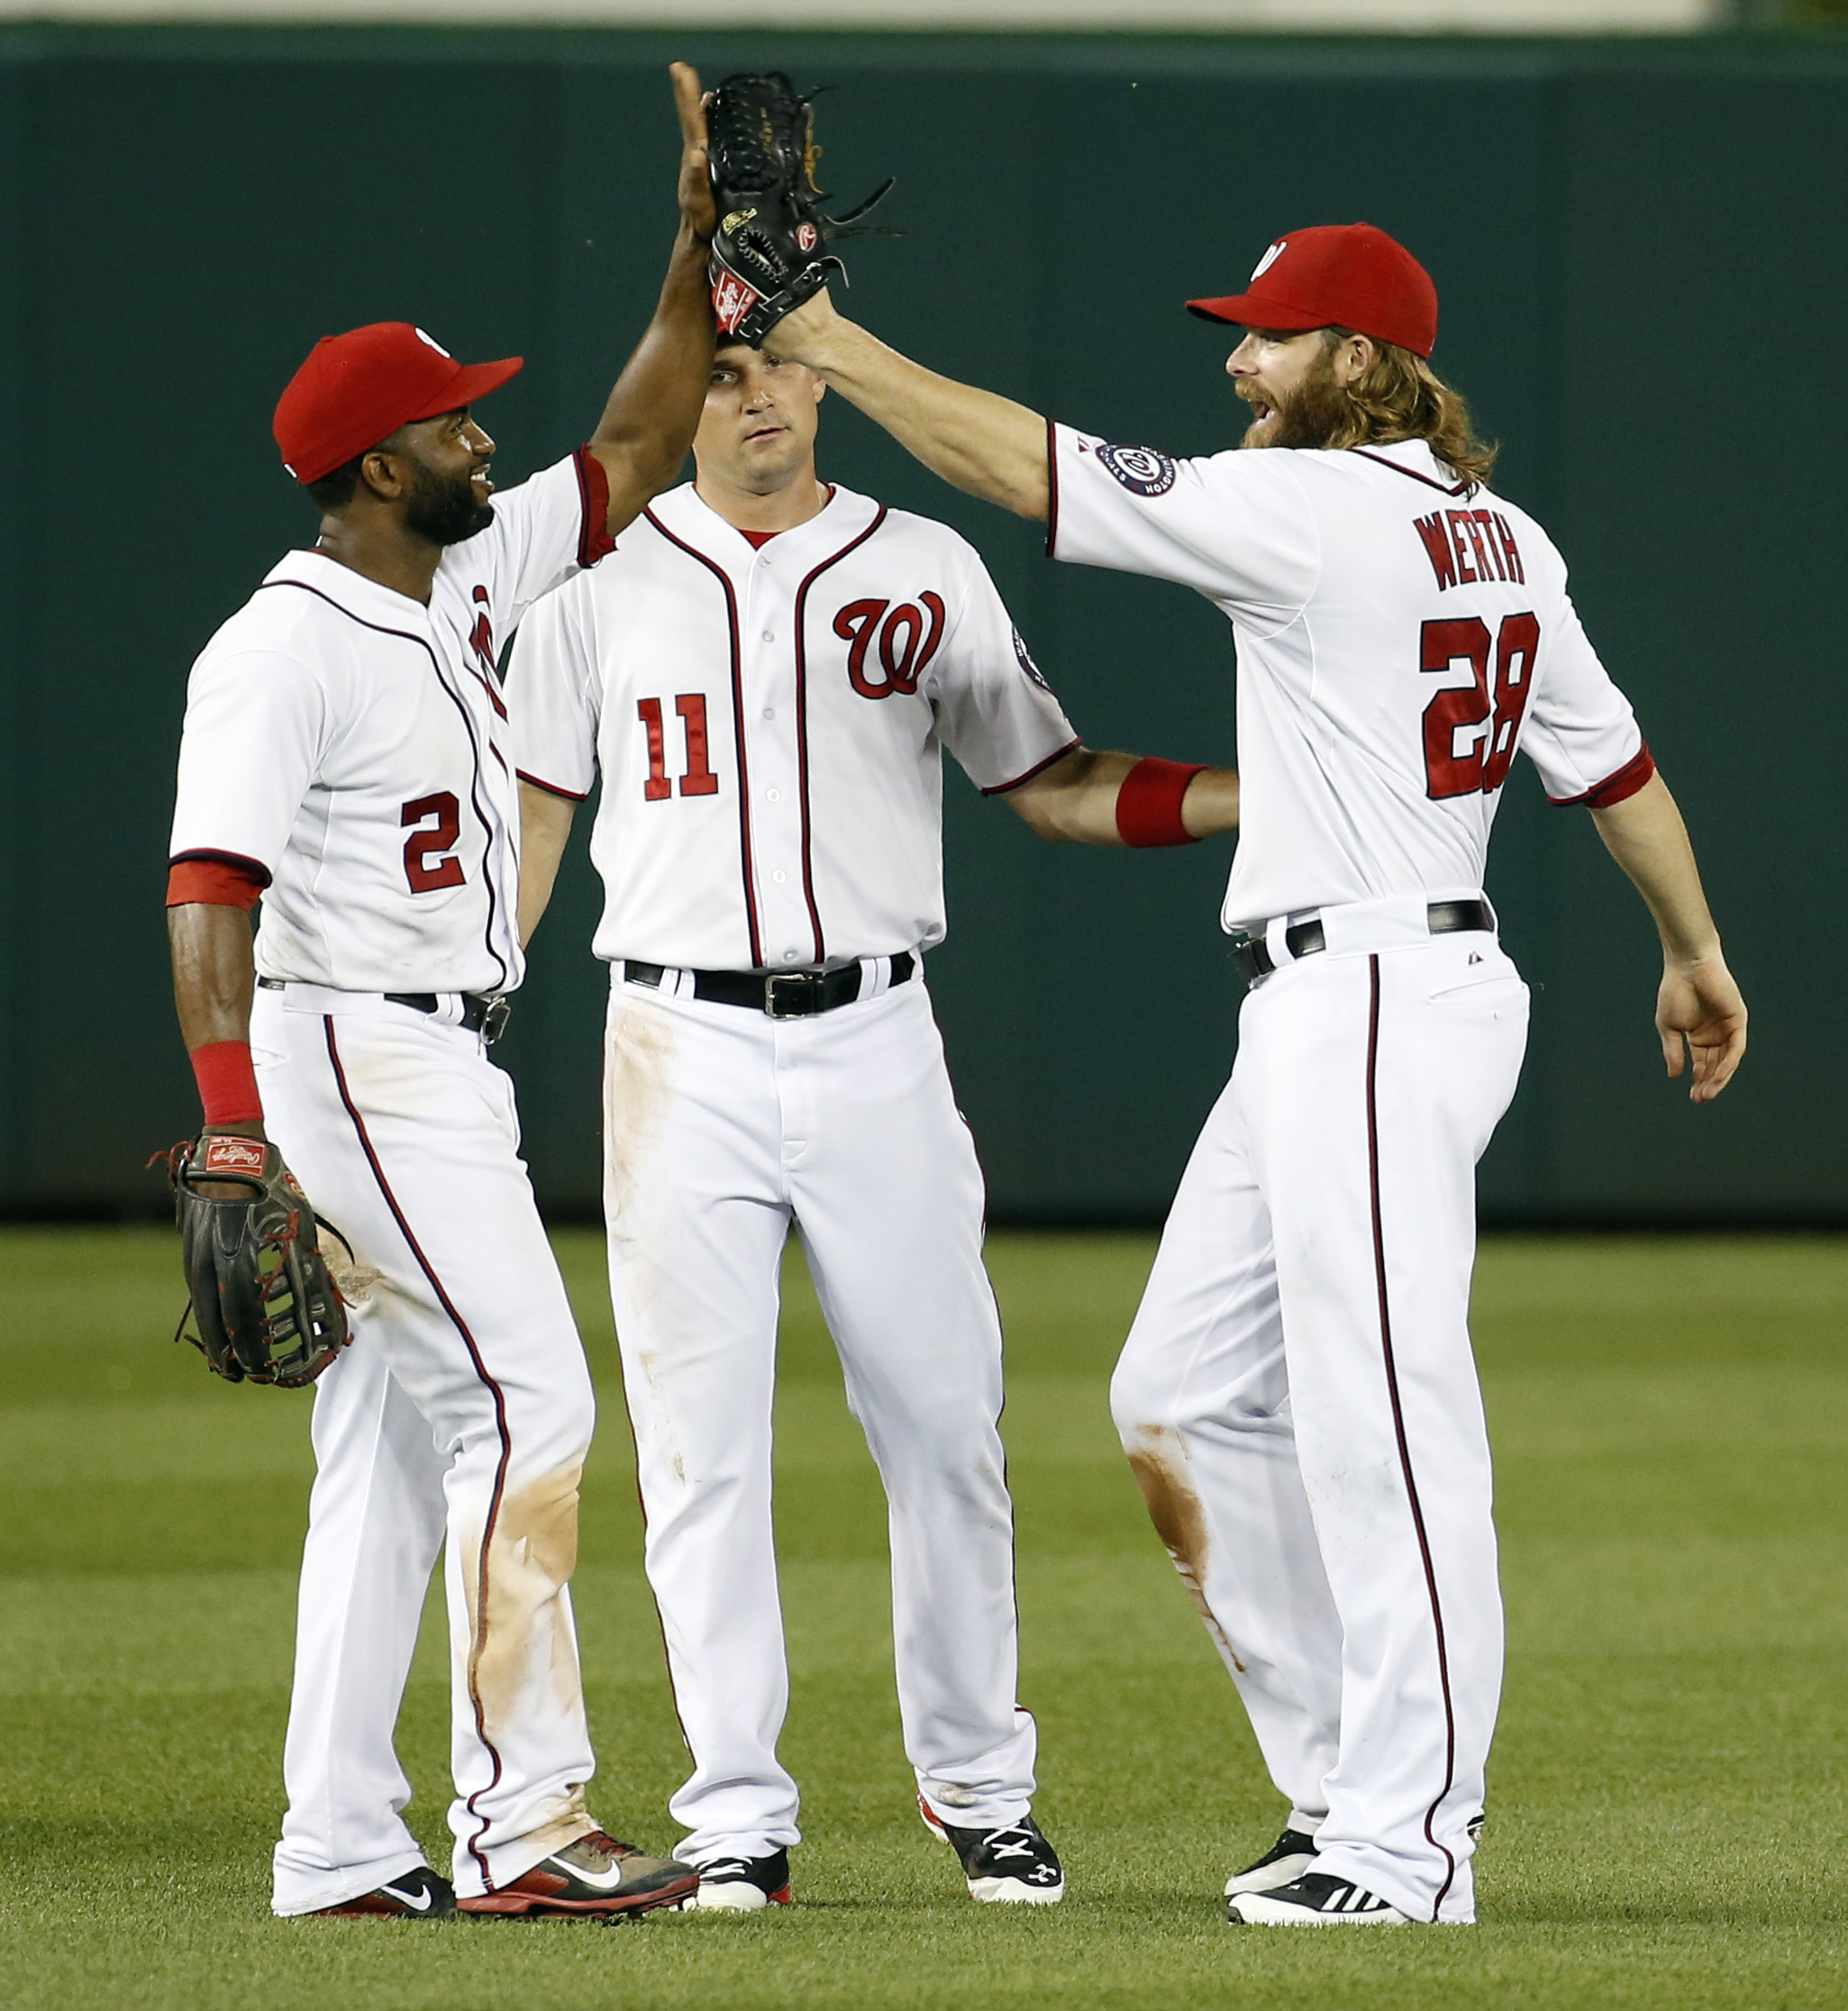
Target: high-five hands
column 698, row 211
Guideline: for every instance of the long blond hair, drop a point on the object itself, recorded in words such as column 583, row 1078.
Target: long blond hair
column 1399, row 397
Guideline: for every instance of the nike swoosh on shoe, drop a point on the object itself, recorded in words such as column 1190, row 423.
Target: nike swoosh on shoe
column 418, row 1901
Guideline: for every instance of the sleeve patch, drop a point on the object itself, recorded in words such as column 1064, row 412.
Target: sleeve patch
column 1142, row 470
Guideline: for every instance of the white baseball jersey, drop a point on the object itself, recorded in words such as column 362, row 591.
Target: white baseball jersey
column 769, row 725
column 1399, row 635
column 354, row 745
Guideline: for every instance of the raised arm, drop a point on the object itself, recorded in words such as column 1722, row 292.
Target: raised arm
column 546, row 824
column 648, row 426
column 1081, row 800
column 1698, row 1010
column 981, row 442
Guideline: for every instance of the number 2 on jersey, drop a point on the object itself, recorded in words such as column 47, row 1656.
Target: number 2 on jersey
column 698, row 779
column 1470, row 732
column 435, row 824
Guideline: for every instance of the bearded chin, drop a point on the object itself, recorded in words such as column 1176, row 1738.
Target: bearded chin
column 1310, row 417
column 446, row 513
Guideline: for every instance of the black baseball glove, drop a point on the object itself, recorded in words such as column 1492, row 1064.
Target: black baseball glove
column 767, row 254
column 266, row 1309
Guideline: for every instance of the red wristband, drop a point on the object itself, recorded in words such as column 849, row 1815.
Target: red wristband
column 1148, row 802
column 227, row 1083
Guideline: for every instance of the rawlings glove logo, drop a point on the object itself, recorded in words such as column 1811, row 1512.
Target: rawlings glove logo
column 731, row 300
column 1142, row 470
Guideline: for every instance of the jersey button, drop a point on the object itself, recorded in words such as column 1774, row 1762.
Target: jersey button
column 773, row 796
column 779, row 876
column 769, row 636
column 788, row 956
column 770, row 712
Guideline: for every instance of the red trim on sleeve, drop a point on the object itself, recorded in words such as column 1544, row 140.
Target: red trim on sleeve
column 1614, row 789
column 216, row 879
column 1039, row 768
column 227, row 1083
column 1052, row 489
column 594, row 539
column 552, row 788
column 1149, row 799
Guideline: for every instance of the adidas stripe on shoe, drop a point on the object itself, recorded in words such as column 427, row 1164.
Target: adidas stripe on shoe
column 1317, row 1900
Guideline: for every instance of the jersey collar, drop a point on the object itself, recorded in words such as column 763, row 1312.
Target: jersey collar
column 1413, row 458
column 358, row 595
column 693, row 522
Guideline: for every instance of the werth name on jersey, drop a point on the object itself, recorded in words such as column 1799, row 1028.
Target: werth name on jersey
column 1465, row 546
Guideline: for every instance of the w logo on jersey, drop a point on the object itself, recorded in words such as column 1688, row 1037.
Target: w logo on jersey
column 908, row 637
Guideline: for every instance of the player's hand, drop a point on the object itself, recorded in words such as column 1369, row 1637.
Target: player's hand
column 698, row 211
column 805, row 335
column 1699, row 1011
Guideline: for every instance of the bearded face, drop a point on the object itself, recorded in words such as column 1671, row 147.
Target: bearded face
column 1307, row 414
column 445, row 509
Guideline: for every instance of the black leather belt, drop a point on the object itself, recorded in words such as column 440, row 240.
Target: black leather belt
column 782, row 994
column 482, row 1012
column 1253, row 960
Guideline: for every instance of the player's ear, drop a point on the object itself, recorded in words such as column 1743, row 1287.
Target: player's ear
column 381, row 472
column 1354, row 357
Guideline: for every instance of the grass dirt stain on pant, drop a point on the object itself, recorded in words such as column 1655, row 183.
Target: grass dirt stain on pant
column 1158, row 1459
column 521, row 1637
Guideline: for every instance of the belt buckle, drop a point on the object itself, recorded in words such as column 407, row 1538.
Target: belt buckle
column 495, row 1012
column 802, row 983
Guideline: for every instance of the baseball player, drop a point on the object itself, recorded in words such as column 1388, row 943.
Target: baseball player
column 346, row 757
column 765, row 674
column 1298, row 1396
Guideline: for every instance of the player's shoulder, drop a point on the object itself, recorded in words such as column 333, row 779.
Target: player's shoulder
column 296, row 614
column 920, row 537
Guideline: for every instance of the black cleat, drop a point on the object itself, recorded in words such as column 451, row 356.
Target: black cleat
column 1016, row 1865
column 741, row 1884
column 1317, row 1900
column 1282, row 1864
column 419, row 1895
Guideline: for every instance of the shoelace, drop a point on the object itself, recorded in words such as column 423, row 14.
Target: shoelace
column 1025, row 1848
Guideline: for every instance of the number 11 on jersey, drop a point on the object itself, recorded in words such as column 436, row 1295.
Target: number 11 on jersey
column 698, row 779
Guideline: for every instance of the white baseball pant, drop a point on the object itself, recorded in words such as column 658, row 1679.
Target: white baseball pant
column 1298, row 1396
column 460, row 1414
column 723, row 1127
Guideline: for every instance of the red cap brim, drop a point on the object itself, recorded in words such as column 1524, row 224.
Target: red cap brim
column 1257, row 310
column 471, row 382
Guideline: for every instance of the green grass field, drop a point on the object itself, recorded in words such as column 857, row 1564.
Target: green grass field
column 1666, row 1797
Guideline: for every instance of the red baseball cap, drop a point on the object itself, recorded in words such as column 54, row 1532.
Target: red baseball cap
column 359, row 388
column 1336, row 276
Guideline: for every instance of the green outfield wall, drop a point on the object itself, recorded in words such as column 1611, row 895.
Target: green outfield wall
column 1640, row 248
